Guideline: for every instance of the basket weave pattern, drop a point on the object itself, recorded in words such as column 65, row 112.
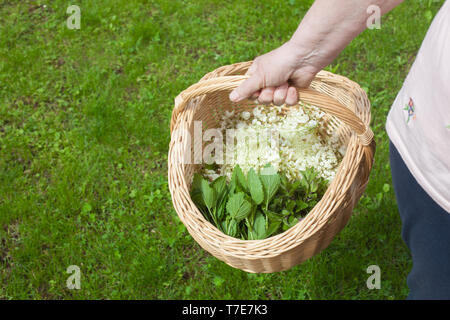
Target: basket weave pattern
column 348, row 113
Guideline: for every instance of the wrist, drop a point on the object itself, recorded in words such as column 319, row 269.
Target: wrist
column 306, row 55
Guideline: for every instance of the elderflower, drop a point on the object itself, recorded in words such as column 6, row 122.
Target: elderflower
column 287, row 138
column 245, row 115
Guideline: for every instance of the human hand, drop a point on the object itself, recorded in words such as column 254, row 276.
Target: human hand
column 274, row 76
column 326, row 29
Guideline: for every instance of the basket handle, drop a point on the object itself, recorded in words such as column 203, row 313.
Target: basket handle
column 308, row 95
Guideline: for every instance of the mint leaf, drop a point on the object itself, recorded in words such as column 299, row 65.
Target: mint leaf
column 255, row 187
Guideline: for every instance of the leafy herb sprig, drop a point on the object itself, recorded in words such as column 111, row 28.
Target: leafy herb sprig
column 258, row 205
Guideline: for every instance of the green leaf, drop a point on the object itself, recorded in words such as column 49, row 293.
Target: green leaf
column 252, row 235
column 240, row 177
column 271, row 183
column 197, row 182
column 230, row 227
column 220, row 187
column 233, row 182
column 220, row 209
column 301, row 205
column 313, row 186
column 273, row 216
column 294, row 186
column 255, row 187
column 259, row 226
column 219, row 184
column 209, row 194
column 290, row 205
column 292, row 221
column 273, row 228
column 211, row 166
column 237, row 207
column 196, row 196
column 196, row 191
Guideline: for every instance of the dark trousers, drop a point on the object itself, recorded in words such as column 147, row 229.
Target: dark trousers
column 426, row 232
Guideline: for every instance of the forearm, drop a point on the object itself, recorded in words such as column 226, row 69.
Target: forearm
column 324, row 32
column 329, row 26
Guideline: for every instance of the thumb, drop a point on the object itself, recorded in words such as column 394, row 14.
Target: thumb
column 246, row 89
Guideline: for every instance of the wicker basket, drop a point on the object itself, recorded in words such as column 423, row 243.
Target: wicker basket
column 348, row 112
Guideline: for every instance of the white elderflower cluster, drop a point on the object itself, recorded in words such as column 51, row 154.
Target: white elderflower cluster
column 286, row 137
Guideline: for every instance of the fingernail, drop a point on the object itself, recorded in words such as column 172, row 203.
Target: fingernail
column 234, row 96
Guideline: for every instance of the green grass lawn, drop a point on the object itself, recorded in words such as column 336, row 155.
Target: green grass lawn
column 84, row 134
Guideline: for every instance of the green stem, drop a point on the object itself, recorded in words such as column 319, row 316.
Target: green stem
column 214, row 219
column 249, row 226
